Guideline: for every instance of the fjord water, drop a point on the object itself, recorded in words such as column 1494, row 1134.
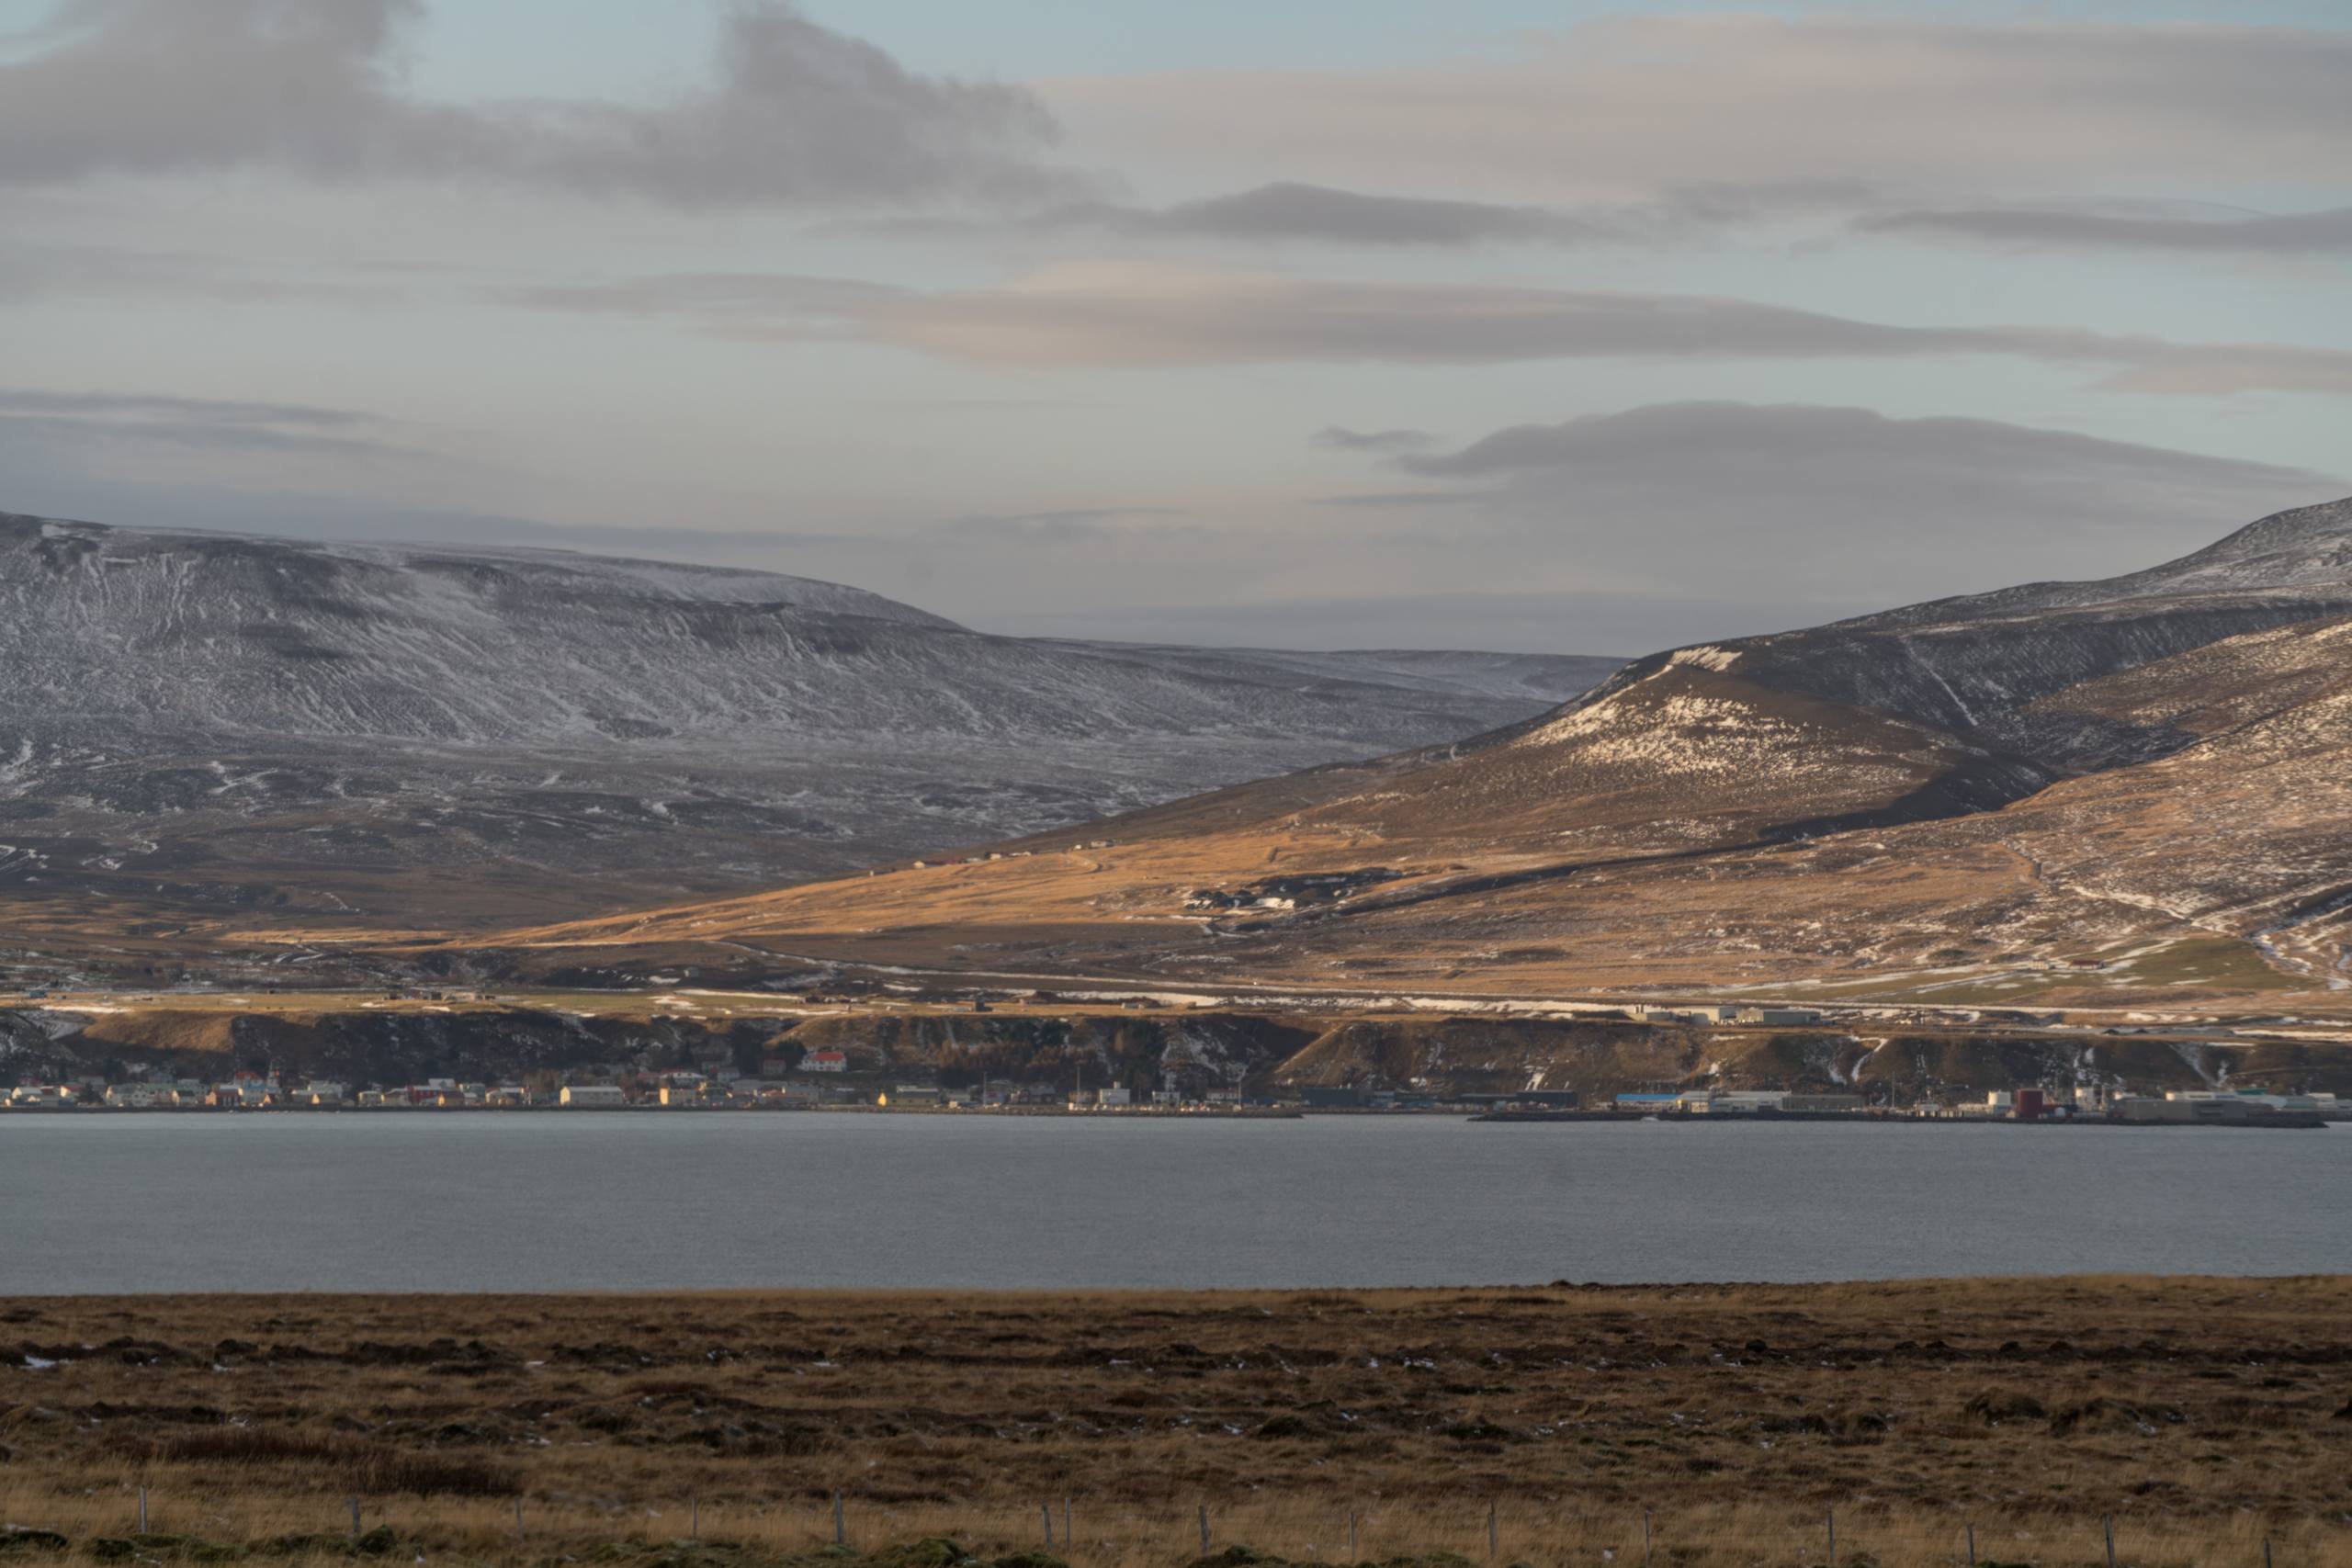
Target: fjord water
column 547, row 1201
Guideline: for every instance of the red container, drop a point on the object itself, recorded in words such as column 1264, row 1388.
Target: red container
column 2029, row 1105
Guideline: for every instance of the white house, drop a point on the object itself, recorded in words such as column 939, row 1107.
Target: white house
column 1783, row 1016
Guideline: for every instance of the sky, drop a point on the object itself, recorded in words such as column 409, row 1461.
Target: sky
column 1538, row 325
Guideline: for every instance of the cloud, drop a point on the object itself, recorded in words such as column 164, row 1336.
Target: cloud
column 1289, row 210
column 125, row 422
column 1798, row 501
column 198, row 411
column 1147, row 314
column 1298, row 211
column 32, row 271
column 2218, row 369
column 1345, row 440
column 794, row 114
column 2283, row 234
column 1293, row 210
column 720, row 296
column 1143, row 315
column 1068, row 526
column 1633, row 103
column 1398, row 500
column 1737, row 435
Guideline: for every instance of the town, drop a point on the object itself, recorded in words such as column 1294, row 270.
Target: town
column 716, row 1090
column 808, row 1089
column 846, row 1042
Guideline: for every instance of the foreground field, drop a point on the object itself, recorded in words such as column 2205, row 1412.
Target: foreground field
column 2206, row 1416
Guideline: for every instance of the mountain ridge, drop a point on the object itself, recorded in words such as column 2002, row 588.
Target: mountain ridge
column 221, row 723
column 2130, row 793
column 2323, row 566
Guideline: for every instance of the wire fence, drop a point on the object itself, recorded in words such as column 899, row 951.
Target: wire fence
column 1107, row 1534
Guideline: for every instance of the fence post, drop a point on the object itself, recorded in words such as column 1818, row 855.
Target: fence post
column 1204, row 1529
column 1833, row 1538
column 1047, row 1509
column 1972, row 1544
column 2265, row 1551
column 1068, row 1540
column 1354, row 1557
column 841, row 1530
column 1493, row 1533
column 1645, row 1535
column 142, row 1510
column 355, row 1519
column 2107, row 1522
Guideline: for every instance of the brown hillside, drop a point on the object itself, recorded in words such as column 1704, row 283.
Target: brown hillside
column 1687, row 827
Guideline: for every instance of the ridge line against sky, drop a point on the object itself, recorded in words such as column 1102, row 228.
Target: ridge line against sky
column 1059, row 325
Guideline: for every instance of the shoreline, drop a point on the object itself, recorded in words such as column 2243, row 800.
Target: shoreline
column 2280, row 1123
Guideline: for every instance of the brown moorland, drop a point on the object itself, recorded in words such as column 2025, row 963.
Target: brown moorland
column 2205, row 1416
column 1685, row 828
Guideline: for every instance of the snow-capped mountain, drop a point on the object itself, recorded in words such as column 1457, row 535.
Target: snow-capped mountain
column 239, row 721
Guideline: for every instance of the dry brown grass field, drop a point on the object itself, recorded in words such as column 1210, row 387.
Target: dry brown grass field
column 2206, row 1417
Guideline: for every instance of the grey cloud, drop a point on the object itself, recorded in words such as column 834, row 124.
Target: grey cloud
column 1068, row 526
column 206, row 411
column 1345, row 440
column 1133, row 314
column 1732, row 435
column 1151, row 316
column 1787, row 498
column 723, row 297
column 165, row 86
column 1635, row 103
column 1293, row 210
column 2284, row 234
column 1147, row 316
column 2218, row 369
column 218, row 439
column 30, row 271
column 1399, row 499
column 795, row 113
column 122, row 421
column 775, row 307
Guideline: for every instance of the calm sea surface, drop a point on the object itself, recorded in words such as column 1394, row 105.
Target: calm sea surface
column 634, row 1202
